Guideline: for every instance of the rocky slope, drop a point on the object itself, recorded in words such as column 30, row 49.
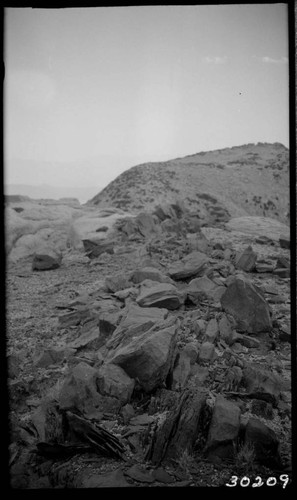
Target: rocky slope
column 244, row 180
column 159, row 356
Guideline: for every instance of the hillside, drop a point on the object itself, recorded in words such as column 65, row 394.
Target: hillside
column 252, row 179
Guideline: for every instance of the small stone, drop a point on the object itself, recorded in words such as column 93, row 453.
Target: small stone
column 246, row 260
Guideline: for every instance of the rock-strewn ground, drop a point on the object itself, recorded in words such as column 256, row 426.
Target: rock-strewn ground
column 130, row 341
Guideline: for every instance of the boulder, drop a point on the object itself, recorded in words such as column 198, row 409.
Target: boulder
column 135, row 321
column 148, row 357
column 45, row 260
column 181, row 371
column 247, row 305
column 263, row 382
column 265, row 443
column 246, row 260
column 284, row 241
column 192, row 265
column 107, row 324
column 165, row 211
column 151, row 273
column 224, row 429
column 94, row 248
column 225, row 329
column 212, row 330
column 160, row 295
column 53, row 356
column 117, row 282
column 113, row 381
column 79, row 392
column 282, row 272
column 206, row 353
column 200, row 289
column 113, row 479
column 198, row 242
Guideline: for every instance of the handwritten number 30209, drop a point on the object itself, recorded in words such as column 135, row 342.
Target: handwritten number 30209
column 245, row 481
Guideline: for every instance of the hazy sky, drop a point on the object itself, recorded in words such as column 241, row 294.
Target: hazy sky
column 126, row 85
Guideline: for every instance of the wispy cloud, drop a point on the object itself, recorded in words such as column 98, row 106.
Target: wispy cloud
column 271, row 60
column 215, row 60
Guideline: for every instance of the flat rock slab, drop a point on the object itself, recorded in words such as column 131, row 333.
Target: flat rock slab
column 138, row 474
column 162, row 476
column 160, row 295
column 191, row 265
column 114, row 479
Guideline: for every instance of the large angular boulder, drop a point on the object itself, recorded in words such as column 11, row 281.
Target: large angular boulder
column 224, row 429
column 113, row 381
column 148, row 357
column 246, row 260
column 265, row 443
column 79, row 392
column 192, row 265
column 160, row 295
column 203, row 288
column 262, row 382
column 46, row 259
column 135, row 321
column 247, row 305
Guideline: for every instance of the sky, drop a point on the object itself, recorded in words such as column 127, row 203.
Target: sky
column 112, row 87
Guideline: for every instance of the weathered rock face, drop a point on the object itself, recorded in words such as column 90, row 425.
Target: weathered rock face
column 246, row 260
column 113, row 381
column 45, row 260
column 191, row 265
column 248, row 306
column 224, row 429
column 160, row 295
column 264, row 441
column 148, row 357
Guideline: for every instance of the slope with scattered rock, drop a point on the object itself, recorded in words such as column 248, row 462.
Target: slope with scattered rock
column 252, row 179
column 165, row 361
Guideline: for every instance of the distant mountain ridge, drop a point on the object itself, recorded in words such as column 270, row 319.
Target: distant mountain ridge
column 45, row 191
column 251, row 179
